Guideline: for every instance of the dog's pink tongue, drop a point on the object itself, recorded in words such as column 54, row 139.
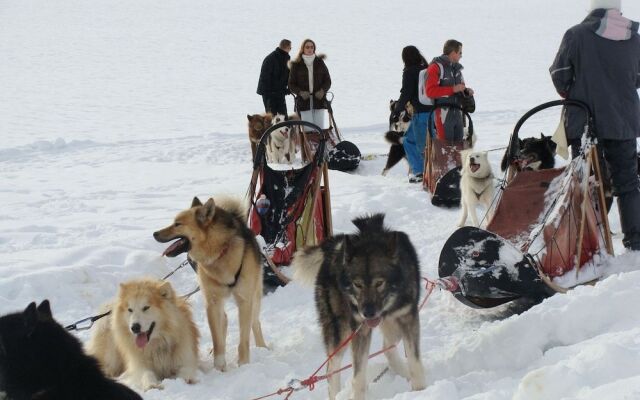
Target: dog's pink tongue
column 172, row 247
column 142, row 339
column 475, row 167
column 373, row 322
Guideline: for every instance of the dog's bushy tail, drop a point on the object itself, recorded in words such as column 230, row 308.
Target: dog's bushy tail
column 234, row 206
column 306, row 264
column 393, row 137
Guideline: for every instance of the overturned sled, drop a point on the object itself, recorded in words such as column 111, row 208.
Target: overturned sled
column 546, row 225
column 290, row 208
column 442, row 163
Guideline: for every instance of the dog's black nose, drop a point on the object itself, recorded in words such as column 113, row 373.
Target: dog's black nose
column 135, row 328
column 473, row 160
column 155, row 235
column 369, row 310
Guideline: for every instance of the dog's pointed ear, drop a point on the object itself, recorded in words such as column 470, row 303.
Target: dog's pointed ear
column 249, row 117
column 205, row 214
column 44, row 309
column 166, row 290
column 195, row 202
column 30, row 315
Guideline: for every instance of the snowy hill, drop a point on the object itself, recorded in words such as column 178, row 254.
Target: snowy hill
column 114, row 114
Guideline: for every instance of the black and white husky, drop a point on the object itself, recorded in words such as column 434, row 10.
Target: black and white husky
column 281, row 147
column 398, row 125
column 367, row 279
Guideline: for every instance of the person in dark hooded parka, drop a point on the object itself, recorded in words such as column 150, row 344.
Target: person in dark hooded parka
column 599, row 63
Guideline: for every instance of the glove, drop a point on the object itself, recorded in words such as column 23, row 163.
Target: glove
column 319, row 94
column 304, row 94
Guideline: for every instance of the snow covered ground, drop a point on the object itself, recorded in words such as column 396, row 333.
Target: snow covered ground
column 114, row 114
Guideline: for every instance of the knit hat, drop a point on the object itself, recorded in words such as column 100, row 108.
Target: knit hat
column 605, row 4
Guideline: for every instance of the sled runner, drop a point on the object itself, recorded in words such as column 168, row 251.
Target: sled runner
column 442, row 163
column 547, row 224
column 290, row 208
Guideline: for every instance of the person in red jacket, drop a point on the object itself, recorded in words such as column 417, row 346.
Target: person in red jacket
column 445, row 84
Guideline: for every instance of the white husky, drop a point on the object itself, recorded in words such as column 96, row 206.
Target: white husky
column 476, row 184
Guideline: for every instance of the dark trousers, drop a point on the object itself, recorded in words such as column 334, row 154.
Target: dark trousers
column 621, row 159
column 275, row 104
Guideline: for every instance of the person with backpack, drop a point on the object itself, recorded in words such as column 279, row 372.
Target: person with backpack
column 416, row 135
column 598, row 63
column 445, row 85
column 274, row 74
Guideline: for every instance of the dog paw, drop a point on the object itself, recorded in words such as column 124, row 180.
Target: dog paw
column 149, row 381
column 190, row 381
column 153, row 385
column 418, row 383
column 220, row 363
column 188, row 375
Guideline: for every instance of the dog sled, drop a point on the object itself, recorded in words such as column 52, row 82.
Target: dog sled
column 290, row 208
column 442, row 163
column 547, row 227
column 342, row 155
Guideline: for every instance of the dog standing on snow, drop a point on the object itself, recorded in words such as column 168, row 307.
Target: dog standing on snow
column 476, row 184
column 216, row 237
column 367, row 279
column 149, row 336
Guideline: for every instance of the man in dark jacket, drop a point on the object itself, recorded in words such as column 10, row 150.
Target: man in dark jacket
column 599, row 63
column 274, row 74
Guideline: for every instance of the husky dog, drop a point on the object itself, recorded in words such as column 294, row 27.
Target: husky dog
column 281, row 147
column 534, row 154
column 395, row 135
column 217, row 238
column 258, row 124
column 39, row 359
column 476, row 184
column 149, row 336
column 367, row 279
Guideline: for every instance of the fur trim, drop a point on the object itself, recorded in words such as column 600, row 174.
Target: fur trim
column 298, row 59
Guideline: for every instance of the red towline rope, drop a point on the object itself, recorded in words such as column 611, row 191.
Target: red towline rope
column 297, row 385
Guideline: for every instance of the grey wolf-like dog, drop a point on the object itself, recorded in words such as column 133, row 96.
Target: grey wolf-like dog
column 367, row 279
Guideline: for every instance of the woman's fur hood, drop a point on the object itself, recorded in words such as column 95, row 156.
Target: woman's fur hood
column 298, row 59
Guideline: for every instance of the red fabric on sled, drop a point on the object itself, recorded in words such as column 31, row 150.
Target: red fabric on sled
column 441, row 157
column 521, row 204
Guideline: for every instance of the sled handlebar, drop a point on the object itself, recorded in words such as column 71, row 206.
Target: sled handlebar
column 262, row 146
column 513, row 148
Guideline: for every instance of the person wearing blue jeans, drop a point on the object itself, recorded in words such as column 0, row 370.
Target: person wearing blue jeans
column 415, row 137
column 414, row 142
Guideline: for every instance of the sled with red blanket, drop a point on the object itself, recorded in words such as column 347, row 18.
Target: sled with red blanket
column 547, row 230
column 290, row 208
column 442, row 163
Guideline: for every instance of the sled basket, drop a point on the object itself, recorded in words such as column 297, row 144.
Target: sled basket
column 290, row 208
